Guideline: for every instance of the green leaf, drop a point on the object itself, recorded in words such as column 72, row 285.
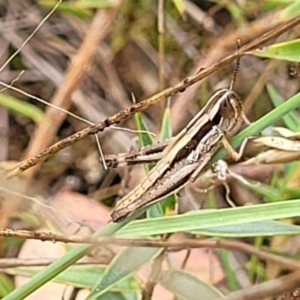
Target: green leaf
column 187, row 286
column 228, row 270
column 292, row 10
column 269, row 192
column 180, row 6
column 78, row 276
column 86, row 277
column 6, row 285
column 146, row 139
column 284, row 51
column 291, row 119
column 206, row 218
column 123, row 265
column 253, row 229
column 79, row 8
column 119, row 296
column 166, row 128
column 69, row 8
column 94, row 3
column 166, row 132
column 21, row 107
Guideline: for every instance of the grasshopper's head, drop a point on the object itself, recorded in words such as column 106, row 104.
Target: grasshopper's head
column 230, row 111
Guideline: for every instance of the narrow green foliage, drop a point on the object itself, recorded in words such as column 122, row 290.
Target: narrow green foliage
column 21, row 107
column 252, row 229
column 209, row 218
column 229, row 272
column 291, row 120
column 166, row 132
column 188, row 287
column 284, row 51
column 79, row 8
column 292, row 10
column 146, row 139
column 6, row 285
column 179, row 4
column 123, row 265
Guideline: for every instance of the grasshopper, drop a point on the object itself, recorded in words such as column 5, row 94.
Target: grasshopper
column 187, row 154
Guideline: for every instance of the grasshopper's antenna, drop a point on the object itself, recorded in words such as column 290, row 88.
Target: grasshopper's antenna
column 236, row 68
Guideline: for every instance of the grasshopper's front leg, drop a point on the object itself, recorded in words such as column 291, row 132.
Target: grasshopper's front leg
column 236, row 155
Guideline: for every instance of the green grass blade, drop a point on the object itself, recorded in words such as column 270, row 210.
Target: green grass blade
column 179, row 4
column 21, row 107
column 253, row 229
column 123, row 265
column 291, row 119
column 119, row 296
column 146, row 139
column 166, row 132
column 78, row 276
column 186, row 286
column 292, row 10
column 284, row 51
column 166, row 128
column 209, row 218
column 268, row 191
column 6, row 285
column 230, row 275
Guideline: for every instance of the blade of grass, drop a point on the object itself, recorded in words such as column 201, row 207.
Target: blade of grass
column 253, row 229
column 146, row 139
column 186, row 286
column 122, row 266
column 292, row 10
column 169, row 202
column 291, row 119
column 229, row 272
column 204, row 219
column 21, row 107
column 285, row 51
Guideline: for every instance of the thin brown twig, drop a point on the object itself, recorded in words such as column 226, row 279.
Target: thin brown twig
column 180, row 87
column 267, row 289
column 179, row 244
column 154, row 275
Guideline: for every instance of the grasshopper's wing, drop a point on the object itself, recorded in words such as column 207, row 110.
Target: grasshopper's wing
column 157, row 172
column 169, row 154
column 173, row 181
